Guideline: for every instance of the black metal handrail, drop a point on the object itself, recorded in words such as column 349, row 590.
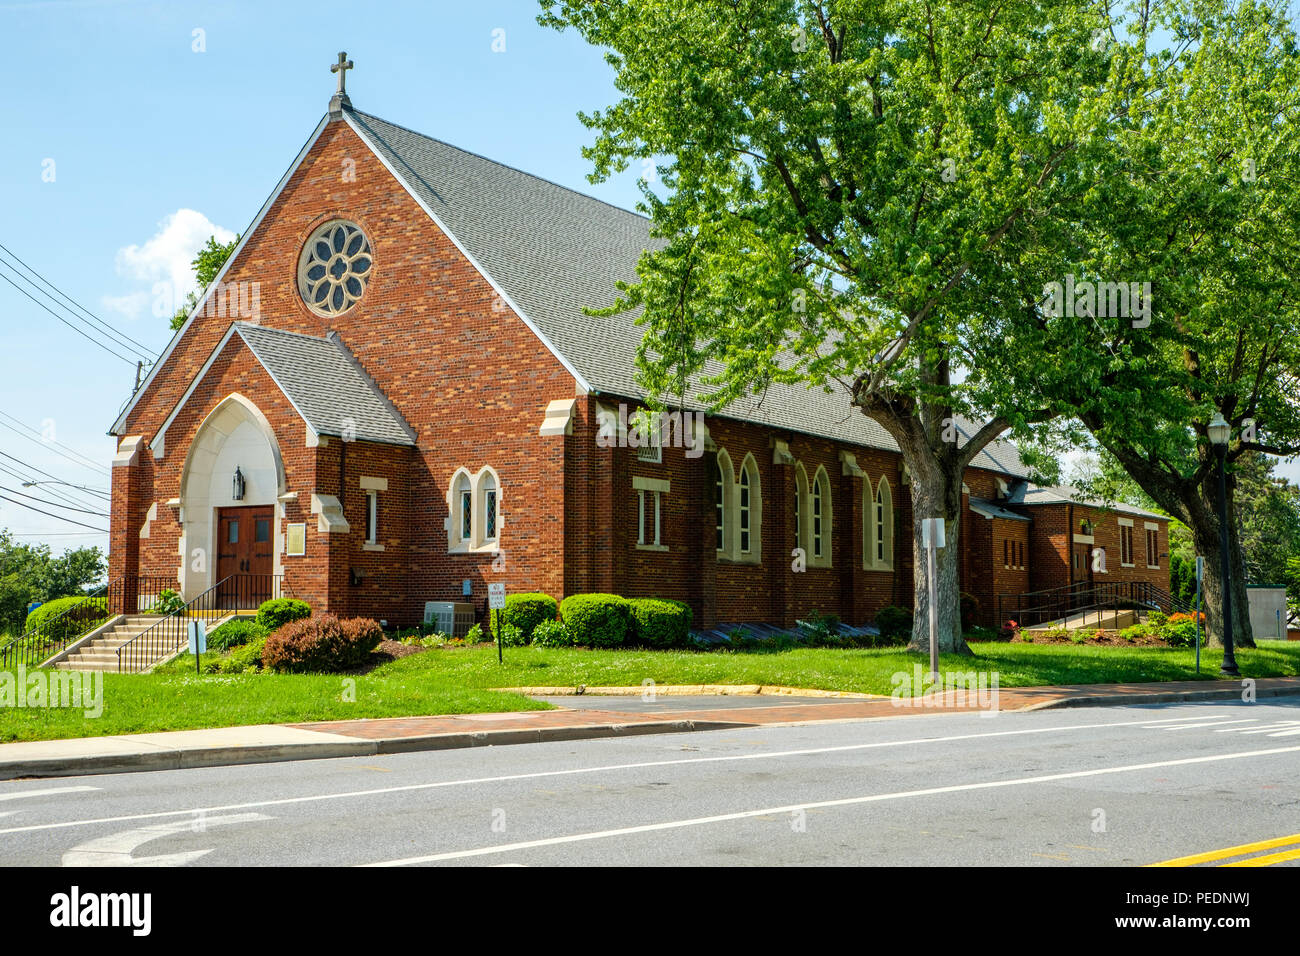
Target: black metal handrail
column 1033, row 608
column 236, row 592
column 55, row 634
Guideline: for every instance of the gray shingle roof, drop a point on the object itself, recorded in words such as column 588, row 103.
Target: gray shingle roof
column 326, row 385
column 1029, row 494
column 991, row 509
column 553, row 251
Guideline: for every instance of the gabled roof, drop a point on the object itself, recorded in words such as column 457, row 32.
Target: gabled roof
column 1028, row 495
column 321, row 379
column 551, row 252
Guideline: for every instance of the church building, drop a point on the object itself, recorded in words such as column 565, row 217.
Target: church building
column 392, row 394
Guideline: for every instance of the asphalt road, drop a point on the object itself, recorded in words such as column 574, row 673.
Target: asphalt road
column 1103, row 786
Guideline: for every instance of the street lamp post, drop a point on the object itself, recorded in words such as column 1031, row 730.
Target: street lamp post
column 1220, row 431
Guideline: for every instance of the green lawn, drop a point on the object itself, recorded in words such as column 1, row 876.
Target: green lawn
column 459, row 680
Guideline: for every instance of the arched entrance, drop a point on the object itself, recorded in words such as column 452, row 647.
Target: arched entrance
column 220, row 533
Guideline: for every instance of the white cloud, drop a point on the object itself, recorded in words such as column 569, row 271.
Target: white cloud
column 166, row 256
column 131, row 306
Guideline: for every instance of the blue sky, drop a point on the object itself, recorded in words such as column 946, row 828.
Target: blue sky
column 155, row 146
column 125, row 148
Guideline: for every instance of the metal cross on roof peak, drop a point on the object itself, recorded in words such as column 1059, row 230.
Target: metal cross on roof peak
column 341, row 68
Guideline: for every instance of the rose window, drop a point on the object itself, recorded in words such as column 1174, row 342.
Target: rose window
column 334, row 267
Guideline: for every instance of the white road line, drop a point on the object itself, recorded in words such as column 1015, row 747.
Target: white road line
column 1286, row 733
column 51, row 791
column 506, row 778
column 821, row 804
column 115, row 850
column 1217, row 723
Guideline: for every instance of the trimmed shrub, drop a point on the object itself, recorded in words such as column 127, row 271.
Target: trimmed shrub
column 597, row 620
column 660, row 623
column 1180, row 633
column 235, row 633
column 321, row 644
column 894, row 622
column 526, row 611
column 242, row 660
column 512, row 636
column 551, row 634
column 277, row 612
column 71, row 624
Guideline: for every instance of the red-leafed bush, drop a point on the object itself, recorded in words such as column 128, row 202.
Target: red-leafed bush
column 321, row 644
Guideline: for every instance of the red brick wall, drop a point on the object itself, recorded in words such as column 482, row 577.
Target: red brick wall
column 459, row 366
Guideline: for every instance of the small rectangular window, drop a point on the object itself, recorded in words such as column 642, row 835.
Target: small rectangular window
column 372, row 517
column 466, row 515
column 262, row 530
column 647, row 518
column 490, row 516
column 232, row 532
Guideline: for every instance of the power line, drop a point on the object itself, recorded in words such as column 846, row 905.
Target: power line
column 55, row 504
column 61, row 495
column 118, row 355
column 52, row 441
column 121, row 336
column 47, row 514
column 28, row 477
column 49, row 446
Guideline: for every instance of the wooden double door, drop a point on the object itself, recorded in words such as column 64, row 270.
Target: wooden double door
column 246, row 549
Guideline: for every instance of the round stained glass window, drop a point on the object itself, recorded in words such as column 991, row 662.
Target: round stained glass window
column 334, row 267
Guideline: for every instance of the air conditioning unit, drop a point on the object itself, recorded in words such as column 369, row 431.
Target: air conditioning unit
column 449, row 617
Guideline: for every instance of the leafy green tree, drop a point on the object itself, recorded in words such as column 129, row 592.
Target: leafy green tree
column 207, row 266
column 866, row 196
column 30, row 573
column 1221, row 156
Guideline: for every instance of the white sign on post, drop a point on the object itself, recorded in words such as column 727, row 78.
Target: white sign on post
column 932, row 529
column 198, row 638
column 496, row 597
column 932, row 538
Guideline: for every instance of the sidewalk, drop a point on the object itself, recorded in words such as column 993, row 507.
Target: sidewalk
column 582, row 718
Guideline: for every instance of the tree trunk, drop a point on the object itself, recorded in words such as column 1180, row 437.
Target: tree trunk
column 937, row 494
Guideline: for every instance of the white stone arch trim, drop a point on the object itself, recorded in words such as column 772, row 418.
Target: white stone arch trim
column 477, row 484
column 822, row 481
column 486, row 480
column 727, row 473
column 868, row 523
column 223, row 408
column 749, row 466
column 802, row 505
column 885, row 497
column 197, row 513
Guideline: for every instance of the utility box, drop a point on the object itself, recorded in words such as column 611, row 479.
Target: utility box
column 452, row 618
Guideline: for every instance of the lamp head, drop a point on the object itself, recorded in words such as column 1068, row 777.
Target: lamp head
column 1219, row 430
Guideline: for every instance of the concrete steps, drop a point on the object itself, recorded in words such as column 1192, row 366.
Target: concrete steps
column 101, row 653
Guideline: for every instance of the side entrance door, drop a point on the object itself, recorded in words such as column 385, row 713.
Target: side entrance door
column 244, row 549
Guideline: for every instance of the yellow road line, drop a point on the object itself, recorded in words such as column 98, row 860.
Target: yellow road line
column 1268, row 860
column 1230, row 851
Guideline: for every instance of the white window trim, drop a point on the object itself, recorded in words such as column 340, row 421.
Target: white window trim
column 1127, row 523
column 1151, row 526
column 477, row 542
column 372, row 519
column 749, row 465
column 649, row 495
column 727, row 475
column 821, row 479
column 883, row 526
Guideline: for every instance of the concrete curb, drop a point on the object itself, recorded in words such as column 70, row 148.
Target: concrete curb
column 1177, row 697
column 180, row 758
column 690, row 690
